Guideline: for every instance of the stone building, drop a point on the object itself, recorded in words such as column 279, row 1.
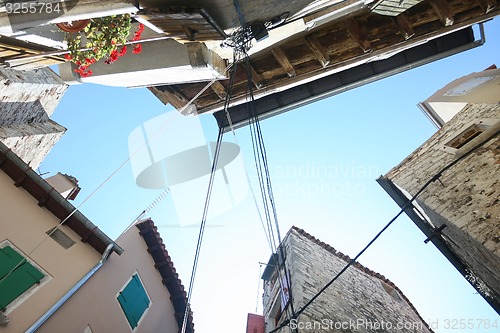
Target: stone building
column 27, row 100
column 459, row 210
column 359, row 301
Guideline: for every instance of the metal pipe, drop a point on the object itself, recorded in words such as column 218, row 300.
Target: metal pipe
column 70, row 292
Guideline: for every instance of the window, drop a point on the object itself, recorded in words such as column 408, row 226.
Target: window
column 471, row 132
column 134, row 301
column 60, row 237
column 465, row 137
column 17, row 275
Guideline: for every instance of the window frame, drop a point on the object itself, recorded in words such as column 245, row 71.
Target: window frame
column 479, row 125
column 126, row 311
column 27, row 293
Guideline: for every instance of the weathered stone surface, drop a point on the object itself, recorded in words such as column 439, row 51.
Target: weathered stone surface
column 27, row 99
column 19, row 90
column 32, row 142
column 359, row 301
column 467, row 196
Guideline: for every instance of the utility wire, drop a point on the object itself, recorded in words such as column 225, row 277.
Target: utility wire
column 142, row 146
column 202, row 228
column 408, row 204
column 261, row 164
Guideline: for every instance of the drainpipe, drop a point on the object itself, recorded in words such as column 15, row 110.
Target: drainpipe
column 70, row 292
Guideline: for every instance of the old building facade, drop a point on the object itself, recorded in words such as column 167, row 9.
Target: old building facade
column 459, row 208
column 359, row 301
column 138, row 291
column 42, row 259
column 27, row 100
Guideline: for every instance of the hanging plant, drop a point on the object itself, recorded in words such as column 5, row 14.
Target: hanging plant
column 103, row 37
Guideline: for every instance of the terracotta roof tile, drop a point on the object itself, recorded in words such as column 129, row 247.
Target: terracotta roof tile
column 165, row 266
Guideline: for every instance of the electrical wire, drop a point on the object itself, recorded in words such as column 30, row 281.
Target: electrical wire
column 202, row 229
column 142, row 146
column 407, row 205
column 262, row 167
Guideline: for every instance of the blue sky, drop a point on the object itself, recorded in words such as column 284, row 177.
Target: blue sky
column 324, row 159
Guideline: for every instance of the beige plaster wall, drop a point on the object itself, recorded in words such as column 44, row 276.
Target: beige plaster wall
column 24, row 224
column 95, row 304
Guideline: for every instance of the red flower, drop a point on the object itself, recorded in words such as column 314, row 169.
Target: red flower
column 113, row 56
column 137, row 49
column 123, row 50
column 67, row 56
column 83, row 72
column 137, row 34
column 87, row 73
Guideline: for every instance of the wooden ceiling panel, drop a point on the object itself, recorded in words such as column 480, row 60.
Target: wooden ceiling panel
column 343, row 42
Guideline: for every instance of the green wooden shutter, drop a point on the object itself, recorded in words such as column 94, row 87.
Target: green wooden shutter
column 134, row 301
column 21, row 279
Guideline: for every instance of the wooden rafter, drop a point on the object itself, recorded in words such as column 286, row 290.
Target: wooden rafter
column 404, row 26
column 219, row 89
column 283, row 61
column 343, row 42
column 444, row 11
column 318, row 50
column 256, row 79
column 169, row 94
column 358, row 34
column 488, row 5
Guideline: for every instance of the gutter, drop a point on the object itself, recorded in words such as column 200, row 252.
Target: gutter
column 425, row 107
column 433, row 234
column 265, row 101
column 49, row 192
column 70, row 292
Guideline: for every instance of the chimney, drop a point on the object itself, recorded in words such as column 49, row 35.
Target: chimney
column 255, row 323
column 65, row 184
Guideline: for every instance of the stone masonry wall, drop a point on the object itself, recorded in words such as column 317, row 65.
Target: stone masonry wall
column 32, row 142
column 27, row 99
column 359, row 301
column 466, row 198
column 19, row 90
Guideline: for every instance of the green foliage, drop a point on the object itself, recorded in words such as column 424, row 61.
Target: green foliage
column 101, row 37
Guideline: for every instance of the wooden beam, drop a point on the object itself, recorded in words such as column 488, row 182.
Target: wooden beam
column 358, row 33
column 170, row 95
column 190, row 33
column 444, row 11
column 318, row 50
column 283, row 61
column 488, row 5
column 219, row 89
column 404, row 26
column 256, row 79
